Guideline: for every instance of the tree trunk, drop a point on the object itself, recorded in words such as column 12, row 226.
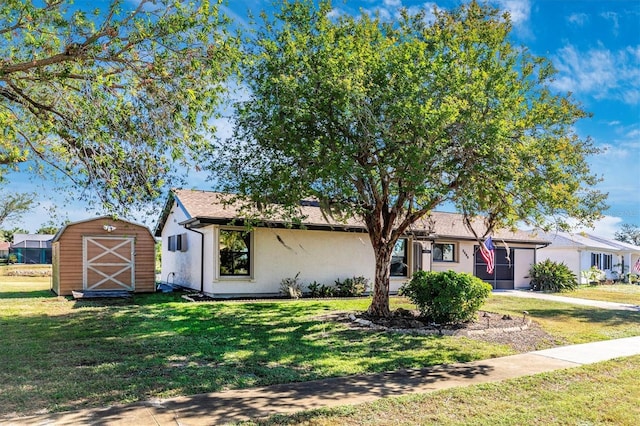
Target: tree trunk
column 380, row 303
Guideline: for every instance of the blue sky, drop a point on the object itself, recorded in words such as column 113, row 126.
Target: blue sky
column 594, row 45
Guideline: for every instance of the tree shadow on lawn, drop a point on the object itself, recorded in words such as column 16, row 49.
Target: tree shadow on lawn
column 27, row 294
column 104, row 354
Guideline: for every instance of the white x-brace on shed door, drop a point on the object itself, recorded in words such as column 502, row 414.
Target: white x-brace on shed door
column 108, row 263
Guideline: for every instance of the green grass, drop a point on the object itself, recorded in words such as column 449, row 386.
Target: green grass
column 572, row 323
column 602, row 393
column 24, row 287
column 620, row 293
column 59, row 354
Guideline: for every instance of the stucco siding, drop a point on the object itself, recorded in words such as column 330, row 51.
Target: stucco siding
column 574, row 259
column 321, row 256
column 178, row 267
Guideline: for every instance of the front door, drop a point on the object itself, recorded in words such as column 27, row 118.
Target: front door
column 108, row 263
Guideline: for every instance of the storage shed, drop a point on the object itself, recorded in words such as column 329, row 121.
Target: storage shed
column 103, row 254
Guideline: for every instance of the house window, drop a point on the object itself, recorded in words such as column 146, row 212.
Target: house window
column 602, row 261
column 445, row 252
column 181, row 242
column 399, row 266
column 235, row 252
column 177, row 242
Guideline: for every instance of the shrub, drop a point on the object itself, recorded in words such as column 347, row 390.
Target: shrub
column 320, row 290
column 351, row 287
column 291, row 287
column 593, row 275
column 446, row 297
column 552, row 276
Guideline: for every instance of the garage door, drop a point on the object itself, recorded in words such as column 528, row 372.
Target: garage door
column 109, row 263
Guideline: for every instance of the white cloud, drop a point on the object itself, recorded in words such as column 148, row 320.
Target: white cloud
column 520, row 10
column 605, row 227
column 613, row 17
column 578, row 19
column 599, row 72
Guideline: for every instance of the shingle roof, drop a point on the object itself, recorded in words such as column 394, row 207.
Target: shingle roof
column 209, row 205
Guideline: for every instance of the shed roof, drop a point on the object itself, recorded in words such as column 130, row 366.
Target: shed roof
column 106, row 217
column 208, row 207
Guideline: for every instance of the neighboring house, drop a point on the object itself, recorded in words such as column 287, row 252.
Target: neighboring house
column 32, row 248
column 205, row 246
column 4, row 249
column 581, row 251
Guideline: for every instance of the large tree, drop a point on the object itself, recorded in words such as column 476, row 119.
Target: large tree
column 628, row 233
column 114, row 97
column 385, row 121
column 13, row 206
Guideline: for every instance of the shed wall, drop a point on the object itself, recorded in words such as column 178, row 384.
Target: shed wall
column 68, row 254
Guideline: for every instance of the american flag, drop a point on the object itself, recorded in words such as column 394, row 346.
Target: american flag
column 636, row 266
column 487, row 251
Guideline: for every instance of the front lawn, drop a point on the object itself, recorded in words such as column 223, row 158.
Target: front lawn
column 571, row 323
column 59, row 354
column 620, row 293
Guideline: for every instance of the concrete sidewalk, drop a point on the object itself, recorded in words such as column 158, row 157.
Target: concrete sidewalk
column 238, row 405
column 573, row 300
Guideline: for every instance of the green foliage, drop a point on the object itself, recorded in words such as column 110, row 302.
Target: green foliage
column 628, row 233
column 113, row 98
column 446, row 297
column 320, row 290
column 351, row 287
column 48, row 229
column 12, row 258
column 552, row 276
column 7, row 234
column 13, row 206
column 348, row 287
column 291, row 287
column 384, row 121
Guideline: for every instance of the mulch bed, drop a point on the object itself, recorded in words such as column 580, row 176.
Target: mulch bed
column 520, row 333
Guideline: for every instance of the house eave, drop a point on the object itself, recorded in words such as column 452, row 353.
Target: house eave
column 201, row 222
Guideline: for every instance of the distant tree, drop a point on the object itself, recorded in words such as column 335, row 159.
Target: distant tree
column 13, row 206
column 47, row 229
column 7, row 234
column 385, row 121
column 628, row 233
column 113, row 98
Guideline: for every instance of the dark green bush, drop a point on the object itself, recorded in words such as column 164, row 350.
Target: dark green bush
column 320, row 290
column 351, row 287
column 446, row 297
column 552, row 276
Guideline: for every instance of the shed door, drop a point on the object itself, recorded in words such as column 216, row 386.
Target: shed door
column 108, row 263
